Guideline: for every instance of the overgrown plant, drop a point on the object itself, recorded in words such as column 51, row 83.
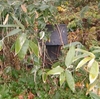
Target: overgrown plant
column 22, row 25
column 24, row 21
column 86, row 60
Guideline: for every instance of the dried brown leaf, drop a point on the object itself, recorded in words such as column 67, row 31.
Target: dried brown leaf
column 23, row 6
column 6, row 19
column 20, row 97
column 30, row 95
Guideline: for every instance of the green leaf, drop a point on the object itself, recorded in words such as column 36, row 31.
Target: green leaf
column 84, row 51
column 13, row 32
column 83, row 62
column 23, row 50
column 94, row 71
column 18, row 23
column 94, row 96
column 43, row 7
column 8, row 25
column 73, row 44
column 19, row 43
column 80, row 56
column 62, row 78
column 55, row 64
column 56, row 70
column 84, row 10
column 34, row 48
column 44, row 77
column 70, row 56
column 70, row 80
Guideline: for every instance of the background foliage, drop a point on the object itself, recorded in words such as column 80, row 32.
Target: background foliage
column 22, row 30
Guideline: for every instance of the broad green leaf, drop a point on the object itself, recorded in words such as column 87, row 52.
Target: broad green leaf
column 34, row 48
column 70, row 56
column 44, row 77
column 19, row 43
column 18, row 23
column 83, row 62
column 8, row 25
column 62, row 78
column 23, row 50
column 13, row 32
column 70, row 80
column 56, row 70
column 1, row 44
column 94, row 96
column 94, row 71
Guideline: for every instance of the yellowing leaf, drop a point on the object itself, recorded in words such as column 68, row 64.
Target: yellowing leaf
column 83, row 62
column 91, row 86
column 84, row 51
column 79, row 57
column 56, row 70
column 90, row 63
column 94, row 71
column 92, row 30
column 61, row 9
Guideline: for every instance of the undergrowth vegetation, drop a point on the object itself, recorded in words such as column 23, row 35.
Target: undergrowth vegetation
column 23, row 34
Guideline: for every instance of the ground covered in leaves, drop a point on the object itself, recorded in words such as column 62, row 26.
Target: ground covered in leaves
column 21, row 84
